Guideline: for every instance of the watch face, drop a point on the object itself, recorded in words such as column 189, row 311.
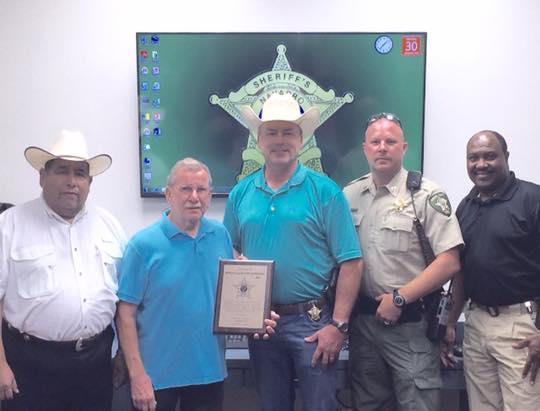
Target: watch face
column 343, row 327
column 383, row 44
column 398, row 300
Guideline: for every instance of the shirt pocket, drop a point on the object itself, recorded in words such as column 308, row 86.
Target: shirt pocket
column 396, row 233
column 33, row 268
column 110, row 255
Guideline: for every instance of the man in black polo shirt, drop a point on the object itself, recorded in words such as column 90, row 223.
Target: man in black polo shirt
column 500, row 276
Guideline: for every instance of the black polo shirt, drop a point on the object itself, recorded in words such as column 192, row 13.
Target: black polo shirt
column 501, row 257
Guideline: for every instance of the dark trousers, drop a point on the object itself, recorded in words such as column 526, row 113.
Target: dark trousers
column 205, row 397
column 58, row 378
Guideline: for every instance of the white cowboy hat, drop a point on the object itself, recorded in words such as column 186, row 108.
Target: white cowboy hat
column 281, row 107
column 71, row 146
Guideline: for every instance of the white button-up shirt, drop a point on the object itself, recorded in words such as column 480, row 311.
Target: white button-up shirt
column 58, row 280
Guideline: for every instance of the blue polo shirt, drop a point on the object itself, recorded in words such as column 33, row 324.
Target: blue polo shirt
column 305, row 227
column 172, row 278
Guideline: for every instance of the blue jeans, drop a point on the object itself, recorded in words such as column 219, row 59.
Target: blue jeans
column 286, row 356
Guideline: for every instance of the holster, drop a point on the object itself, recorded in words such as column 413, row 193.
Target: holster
column 431, row 306
column 329, row 291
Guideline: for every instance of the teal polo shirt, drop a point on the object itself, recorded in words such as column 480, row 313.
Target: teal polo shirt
column 305, row 227
column 172, row 278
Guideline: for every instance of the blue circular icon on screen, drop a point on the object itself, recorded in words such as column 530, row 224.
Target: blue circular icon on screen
column 383, row 44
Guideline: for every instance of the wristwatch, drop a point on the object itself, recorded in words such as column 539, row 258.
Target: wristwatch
column 398, row 299
column 343, row 327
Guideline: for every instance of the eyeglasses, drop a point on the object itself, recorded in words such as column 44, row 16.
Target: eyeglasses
column 388, row 116
column 188, row 190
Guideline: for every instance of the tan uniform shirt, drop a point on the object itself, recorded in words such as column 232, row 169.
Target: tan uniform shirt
column 384, row 221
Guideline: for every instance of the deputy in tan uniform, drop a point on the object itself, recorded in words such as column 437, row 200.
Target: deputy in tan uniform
column 394, row 365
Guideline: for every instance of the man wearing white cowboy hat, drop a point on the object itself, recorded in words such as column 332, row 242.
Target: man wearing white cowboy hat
column 58, row 287
column 299, row 218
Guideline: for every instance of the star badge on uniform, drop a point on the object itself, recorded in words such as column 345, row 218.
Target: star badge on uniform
column 399, row 205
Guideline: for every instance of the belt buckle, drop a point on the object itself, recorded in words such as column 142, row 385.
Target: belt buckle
column 314, row 312
column 79, row 345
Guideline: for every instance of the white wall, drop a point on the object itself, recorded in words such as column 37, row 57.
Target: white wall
column 71, row 64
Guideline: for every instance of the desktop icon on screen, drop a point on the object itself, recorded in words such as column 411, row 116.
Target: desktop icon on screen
column 155, row 39
column 156, row 102
column 155, row 55
column 155, row 70
column 157, row 131
column 144, row 70
column 144, row 54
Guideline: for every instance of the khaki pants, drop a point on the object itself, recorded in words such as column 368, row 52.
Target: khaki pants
column 492, row 367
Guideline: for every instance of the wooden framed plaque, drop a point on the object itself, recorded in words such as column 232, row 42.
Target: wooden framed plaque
column 244, row 295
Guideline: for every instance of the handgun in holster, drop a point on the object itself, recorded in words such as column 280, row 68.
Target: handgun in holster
column 330, row 290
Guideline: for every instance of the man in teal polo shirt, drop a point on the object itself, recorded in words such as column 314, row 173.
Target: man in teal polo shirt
column 300, row 219
column 167, row 291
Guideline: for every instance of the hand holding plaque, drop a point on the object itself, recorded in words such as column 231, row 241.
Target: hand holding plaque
column 243, row 296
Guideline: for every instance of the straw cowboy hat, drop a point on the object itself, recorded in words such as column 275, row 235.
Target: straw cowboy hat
column 281, row 107
column 71, row 146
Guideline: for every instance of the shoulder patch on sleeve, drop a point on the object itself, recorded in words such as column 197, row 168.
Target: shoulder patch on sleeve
column 439, row 201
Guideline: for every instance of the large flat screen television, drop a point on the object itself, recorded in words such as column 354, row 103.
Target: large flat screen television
column 191, row 86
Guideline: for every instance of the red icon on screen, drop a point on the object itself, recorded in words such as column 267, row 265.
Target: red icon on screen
column 411, row 45
column 144, row 54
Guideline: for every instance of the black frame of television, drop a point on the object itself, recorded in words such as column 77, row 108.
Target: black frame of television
column 191, row 85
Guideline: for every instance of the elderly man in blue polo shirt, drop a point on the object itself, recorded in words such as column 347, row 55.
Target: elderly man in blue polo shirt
column 167, row 291
column 299, row 218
